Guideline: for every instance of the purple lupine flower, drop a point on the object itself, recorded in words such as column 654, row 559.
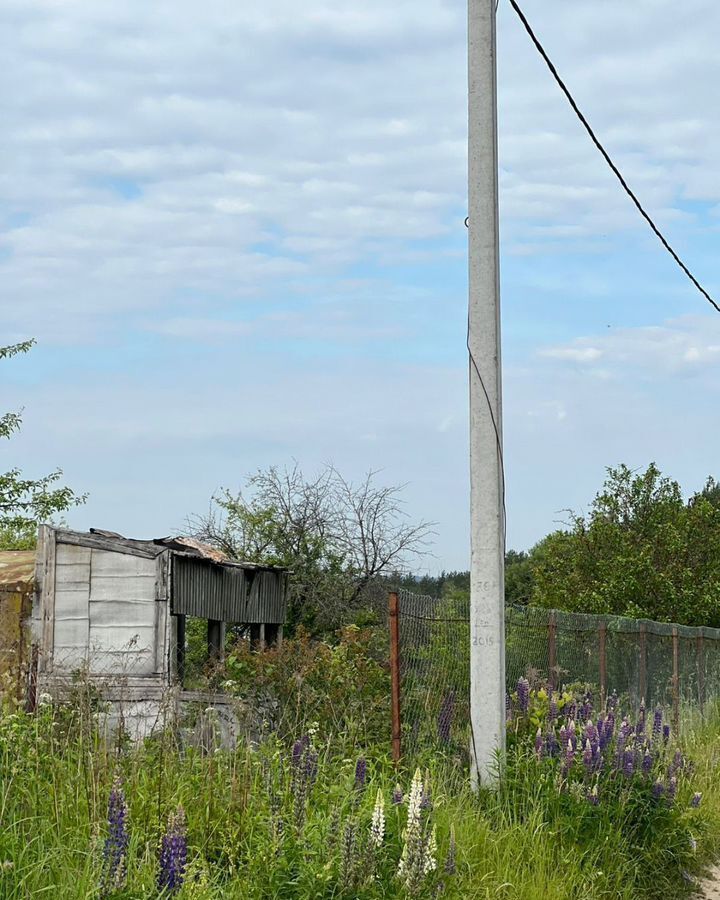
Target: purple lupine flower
column 612, row 701
column 598, row 760
column 640, row 725
column 657, row 723
column 588, row 757
column 552, row 746
column 539, row 743
column 563, row 736
column 592, row 735
column 311, row 766
column 523, row 694
column 571, row 733
column 569, row 757
column 601, row 732
column 173, row 854
column 666, row 733
column 360, row 773
column 676, row 765
column 647, row 762
column 451, row 858
column 571, row 710
column 298, row 750
column 508, row 709
column 609, row 729
column 445, row 717
column 397, row 795
column 553, row 710
column 658, row 789
column 116, row 842
column 695, row 802
column 628, row 763
column 671, row 788
column 586, row 707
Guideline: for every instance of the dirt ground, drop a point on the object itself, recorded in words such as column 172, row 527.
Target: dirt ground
column 710, row 887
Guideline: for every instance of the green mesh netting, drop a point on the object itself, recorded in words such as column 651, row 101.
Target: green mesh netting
column 639, row 654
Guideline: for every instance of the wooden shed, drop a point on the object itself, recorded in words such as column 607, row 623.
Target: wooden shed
column 115, row 608
column 17, row 583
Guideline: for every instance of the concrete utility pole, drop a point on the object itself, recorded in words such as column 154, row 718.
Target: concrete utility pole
column 487, row 626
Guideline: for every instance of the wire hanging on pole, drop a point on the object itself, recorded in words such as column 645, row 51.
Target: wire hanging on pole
column 606, row 156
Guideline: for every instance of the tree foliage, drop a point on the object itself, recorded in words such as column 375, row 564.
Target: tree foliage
column 337, row 537
column 642, row 551
column 25, row 502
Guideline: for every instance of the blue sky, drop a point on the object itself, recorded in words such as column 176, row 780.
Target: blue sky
column 237, row 234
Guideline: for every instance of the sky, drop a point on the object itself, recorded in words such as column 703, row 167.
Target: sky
column 236, row 231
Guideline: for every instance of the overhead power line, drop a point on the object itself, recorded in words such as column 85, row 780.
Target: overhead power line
column 606, row 156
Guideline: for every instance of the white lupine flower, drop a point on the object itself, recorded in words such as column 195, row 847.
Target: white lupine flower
column 377, row 826
column 430, row 855
column 413, row 831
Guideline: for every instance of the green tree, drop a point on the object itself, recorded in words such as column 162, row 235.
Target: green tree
column 25, row 502
column 642, row 551
column 338, row 539
column 518, row 578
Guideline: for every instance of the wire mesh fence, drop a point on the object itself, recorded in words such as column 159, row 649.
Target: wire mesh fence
column 672, row 666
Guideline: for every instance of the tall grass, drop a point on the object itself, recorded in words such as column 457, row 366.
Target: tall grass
column 292, row 820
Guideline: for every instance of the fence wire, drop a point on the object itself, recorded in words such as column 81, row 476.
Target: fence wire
column 673, row 666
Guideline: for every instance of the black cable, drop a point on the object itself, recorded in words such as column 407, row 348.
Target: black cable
column 663, row 240
column 498, row 439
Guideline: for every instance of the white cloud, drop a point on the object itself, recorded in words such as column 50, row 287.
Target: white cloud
column 262, row 134
column 689, row 345
column 236, row 175
column 575, row 354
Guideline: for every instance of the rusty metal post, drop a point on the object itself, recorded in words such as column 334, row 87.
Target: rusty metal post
column 602, row 649
column 676, row 680
column 700, row 663
column 395, row 676
column 643, row 663
column 552, row 649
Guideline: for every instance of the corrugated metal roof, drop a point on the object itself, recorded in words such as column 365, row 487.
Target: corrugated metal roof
column 228, row 593
column 17, row 570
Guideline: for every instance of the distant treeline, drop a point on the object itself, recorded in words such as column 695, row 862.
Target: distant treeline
column 642, row 551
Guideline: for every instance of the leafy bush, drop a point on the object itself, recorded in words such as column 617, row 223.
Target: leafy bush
column 346, row 686
column 600, row 776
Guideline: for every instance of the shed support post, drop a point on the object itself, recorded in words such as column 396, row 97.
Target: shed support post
column 180, row 648
column 216, row 640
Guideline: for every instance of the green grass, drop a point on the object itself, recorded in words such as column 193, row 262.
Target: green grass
column 250, row 837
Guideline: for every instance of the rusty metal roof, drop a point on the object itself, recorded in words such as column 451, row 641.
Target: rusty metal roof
column 17, row 570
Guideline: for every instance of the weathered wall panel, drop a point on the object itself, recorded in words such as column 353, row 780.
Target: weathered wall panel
column 72, row 594
column 122, row 613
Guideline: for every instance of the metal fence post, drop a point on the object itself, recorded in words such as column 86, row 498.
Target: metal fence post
column 643, row 663
column 395, row 675
column 602, row 648
column 700, row 662
column 552, row 649
column 676, row 680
